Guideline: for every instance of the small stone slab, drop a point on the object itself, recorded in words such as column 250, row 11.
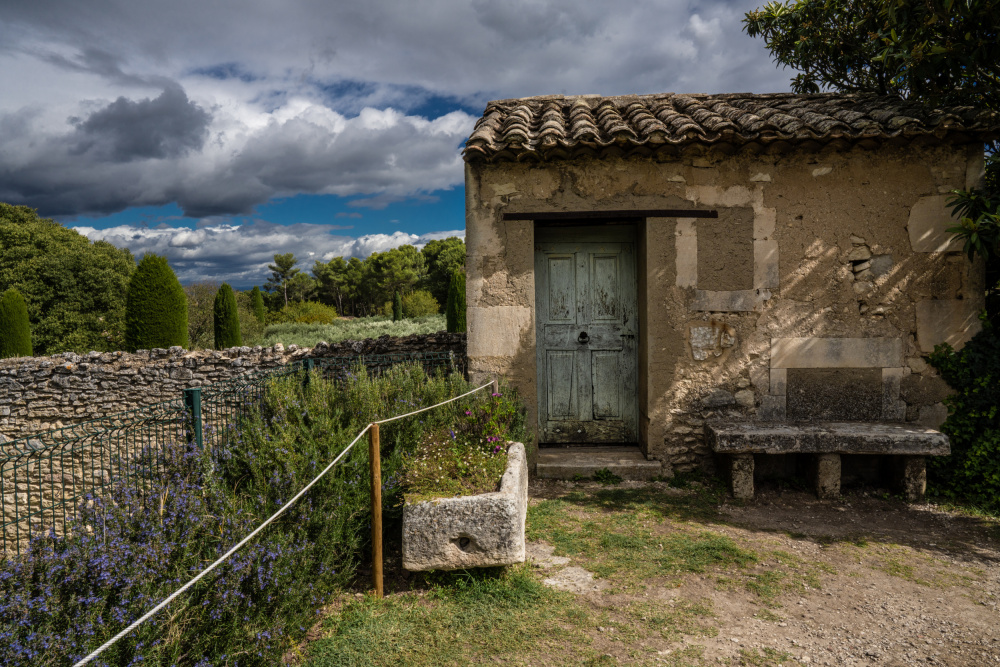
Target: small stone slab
column 485, row 530
column 570, row 462
column 825, row 438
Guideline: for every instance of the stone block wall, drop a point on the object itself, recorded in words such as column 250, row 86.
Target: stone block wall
column 39, row 393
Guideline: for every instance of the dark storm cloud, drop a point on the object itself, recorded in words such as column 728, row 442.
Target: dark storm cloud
column 261, row 99
column 165, row 127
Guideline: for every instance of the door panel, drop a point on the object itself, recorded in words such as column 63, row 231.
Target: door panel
column 586, row 330
column 562, row 382
column 607, row 384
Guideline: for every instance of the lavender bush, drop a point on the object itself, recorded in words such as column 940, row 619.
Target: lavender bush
column 127, row 551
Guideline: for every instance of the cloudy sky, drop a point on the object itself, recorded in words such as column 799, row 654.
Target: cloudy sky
column 219, row 133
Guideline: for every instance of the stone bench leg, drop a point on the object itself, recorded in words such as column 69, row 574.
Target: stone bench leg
column 741, row 475
column 827, row 475
column 911, row 477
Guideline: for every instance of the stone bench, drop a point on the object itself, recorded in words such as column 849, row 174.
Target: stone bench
column 827, row 441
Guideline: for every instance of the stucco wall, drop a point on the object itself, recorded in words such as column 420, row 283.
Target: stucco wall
column 845, row 245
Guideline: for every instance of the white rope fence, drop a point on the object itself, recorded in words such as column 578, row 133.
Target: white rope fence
column 106, row 645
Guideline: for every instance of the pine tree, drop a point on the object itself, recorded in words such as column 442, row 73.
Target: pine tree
column 156, row 307
column 257, row 304
column 15, row 332
column 454, row 311
column 397, row 306
column 227, row 320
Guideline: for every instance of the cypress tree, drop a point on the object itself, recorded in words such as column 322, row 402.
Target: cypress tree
column 257, row 304
column 227, row 320
column 454, row 311
column 156, row 313
column 15, row 332
column 397, row 306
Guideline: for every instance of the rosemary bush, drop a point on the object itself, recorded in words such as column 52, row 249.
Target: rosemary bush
column 127, row 551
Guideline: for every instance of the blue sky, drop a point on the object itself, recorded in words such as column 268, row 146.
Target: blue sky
column 221, row 133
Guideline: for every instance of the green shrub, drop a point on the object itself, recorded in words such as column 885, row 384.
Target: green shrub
column 397, row 306
column 15, row 331
column 257, row 304
column 455, row 308
column 349, row 328
column 156, row 308
column 972, row 472
column 420, row 303
column 306, row 312
column 227, row 320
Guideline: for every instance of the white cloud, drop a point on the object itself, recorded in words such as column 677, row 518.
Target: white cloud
column 317, row 97
column 240, row 254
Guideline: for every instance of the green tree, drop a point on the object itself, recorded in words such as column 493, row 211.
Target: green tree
column 332, row 285
column 74, row 288
column 397, row 306
column 939, row 51
column 201, row 314
column 454, row 310
column 227, row 320
column 15, row 331
column 419, row 303
column 257, row 304
column 394, row 270
column 442, row 258
column 282, row 271
column 156, row 313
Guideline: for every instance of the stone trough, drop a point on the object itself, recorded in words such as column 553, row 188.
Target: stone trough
column 484, row 530
column 909, row 444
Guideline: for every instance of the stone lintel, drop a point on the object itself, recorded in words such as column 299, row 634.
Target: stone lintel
column 825, row 438
column 836, row 353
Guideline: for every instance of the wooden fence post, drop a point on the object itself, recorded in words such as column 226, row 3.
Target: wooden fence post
column 374, row 457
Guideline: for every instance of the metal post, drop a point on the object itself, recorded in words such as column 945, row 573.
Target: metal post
column 374, row 457
column 192, row 401
column 309, row 365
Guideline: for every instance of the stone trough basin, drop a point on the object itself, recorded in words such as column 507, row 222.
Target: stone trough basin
column 470, row 531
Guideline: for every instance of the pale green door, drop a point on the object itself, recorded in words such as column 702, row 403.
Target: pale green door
column 586, row 326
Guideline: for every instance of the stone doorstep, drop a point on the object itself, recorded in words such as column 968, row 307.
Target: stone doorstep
column 568, row 462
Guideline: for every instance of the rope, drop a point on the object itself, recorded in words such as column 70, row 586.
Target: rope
column 106, row 645
column 415, row 412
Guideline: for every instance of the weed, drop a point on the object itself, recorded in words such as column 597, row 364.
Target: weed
column 606, row 477
column 765, row 657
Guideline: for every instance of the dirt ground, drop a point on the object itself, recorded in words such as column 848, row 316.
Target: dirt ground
column 886, row 584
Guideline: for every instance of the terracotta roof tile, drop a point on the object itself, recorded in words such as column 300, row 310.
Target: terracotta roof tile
column 562, row 126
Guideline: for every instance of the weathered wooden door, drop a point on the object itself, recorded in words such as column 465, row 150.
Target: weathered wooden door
column 586, row 326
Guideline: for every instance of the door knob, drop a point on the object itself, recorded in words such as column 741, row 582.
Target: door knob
column 583, row 337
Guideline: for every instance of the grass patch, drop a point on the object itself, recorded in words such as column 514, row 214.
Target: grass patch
column 623, row 545
column 307, row 335
column 765, row 657
column 463, row 618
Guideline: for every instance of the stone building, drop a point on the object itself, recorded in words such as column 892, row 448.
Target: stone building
column 640, row 265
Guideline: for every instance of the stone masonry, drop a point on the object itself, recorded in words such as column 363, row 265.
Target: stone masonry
column 40, row 393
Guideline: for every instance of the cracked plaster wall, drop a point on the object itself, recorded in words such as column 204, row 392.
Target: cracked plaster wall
column 840, row 250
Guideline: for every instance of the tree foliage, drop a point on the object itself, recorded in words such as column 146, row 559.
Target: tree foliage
column 420, row 303
column 74, row 289
column 455, row 309
column 226, row 318
column 442, row 258
column 282, row 272
column 156, row 313
column 257, row 304
column 15, row 331
column 938, row 51
column 397, row 306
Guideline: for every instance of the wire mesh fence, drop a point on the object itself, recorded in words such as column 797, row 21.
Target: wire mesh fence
column 44, row 477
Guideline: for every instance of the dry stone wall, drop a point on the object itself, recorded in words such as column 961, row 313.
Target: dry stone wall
column 40, row 393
